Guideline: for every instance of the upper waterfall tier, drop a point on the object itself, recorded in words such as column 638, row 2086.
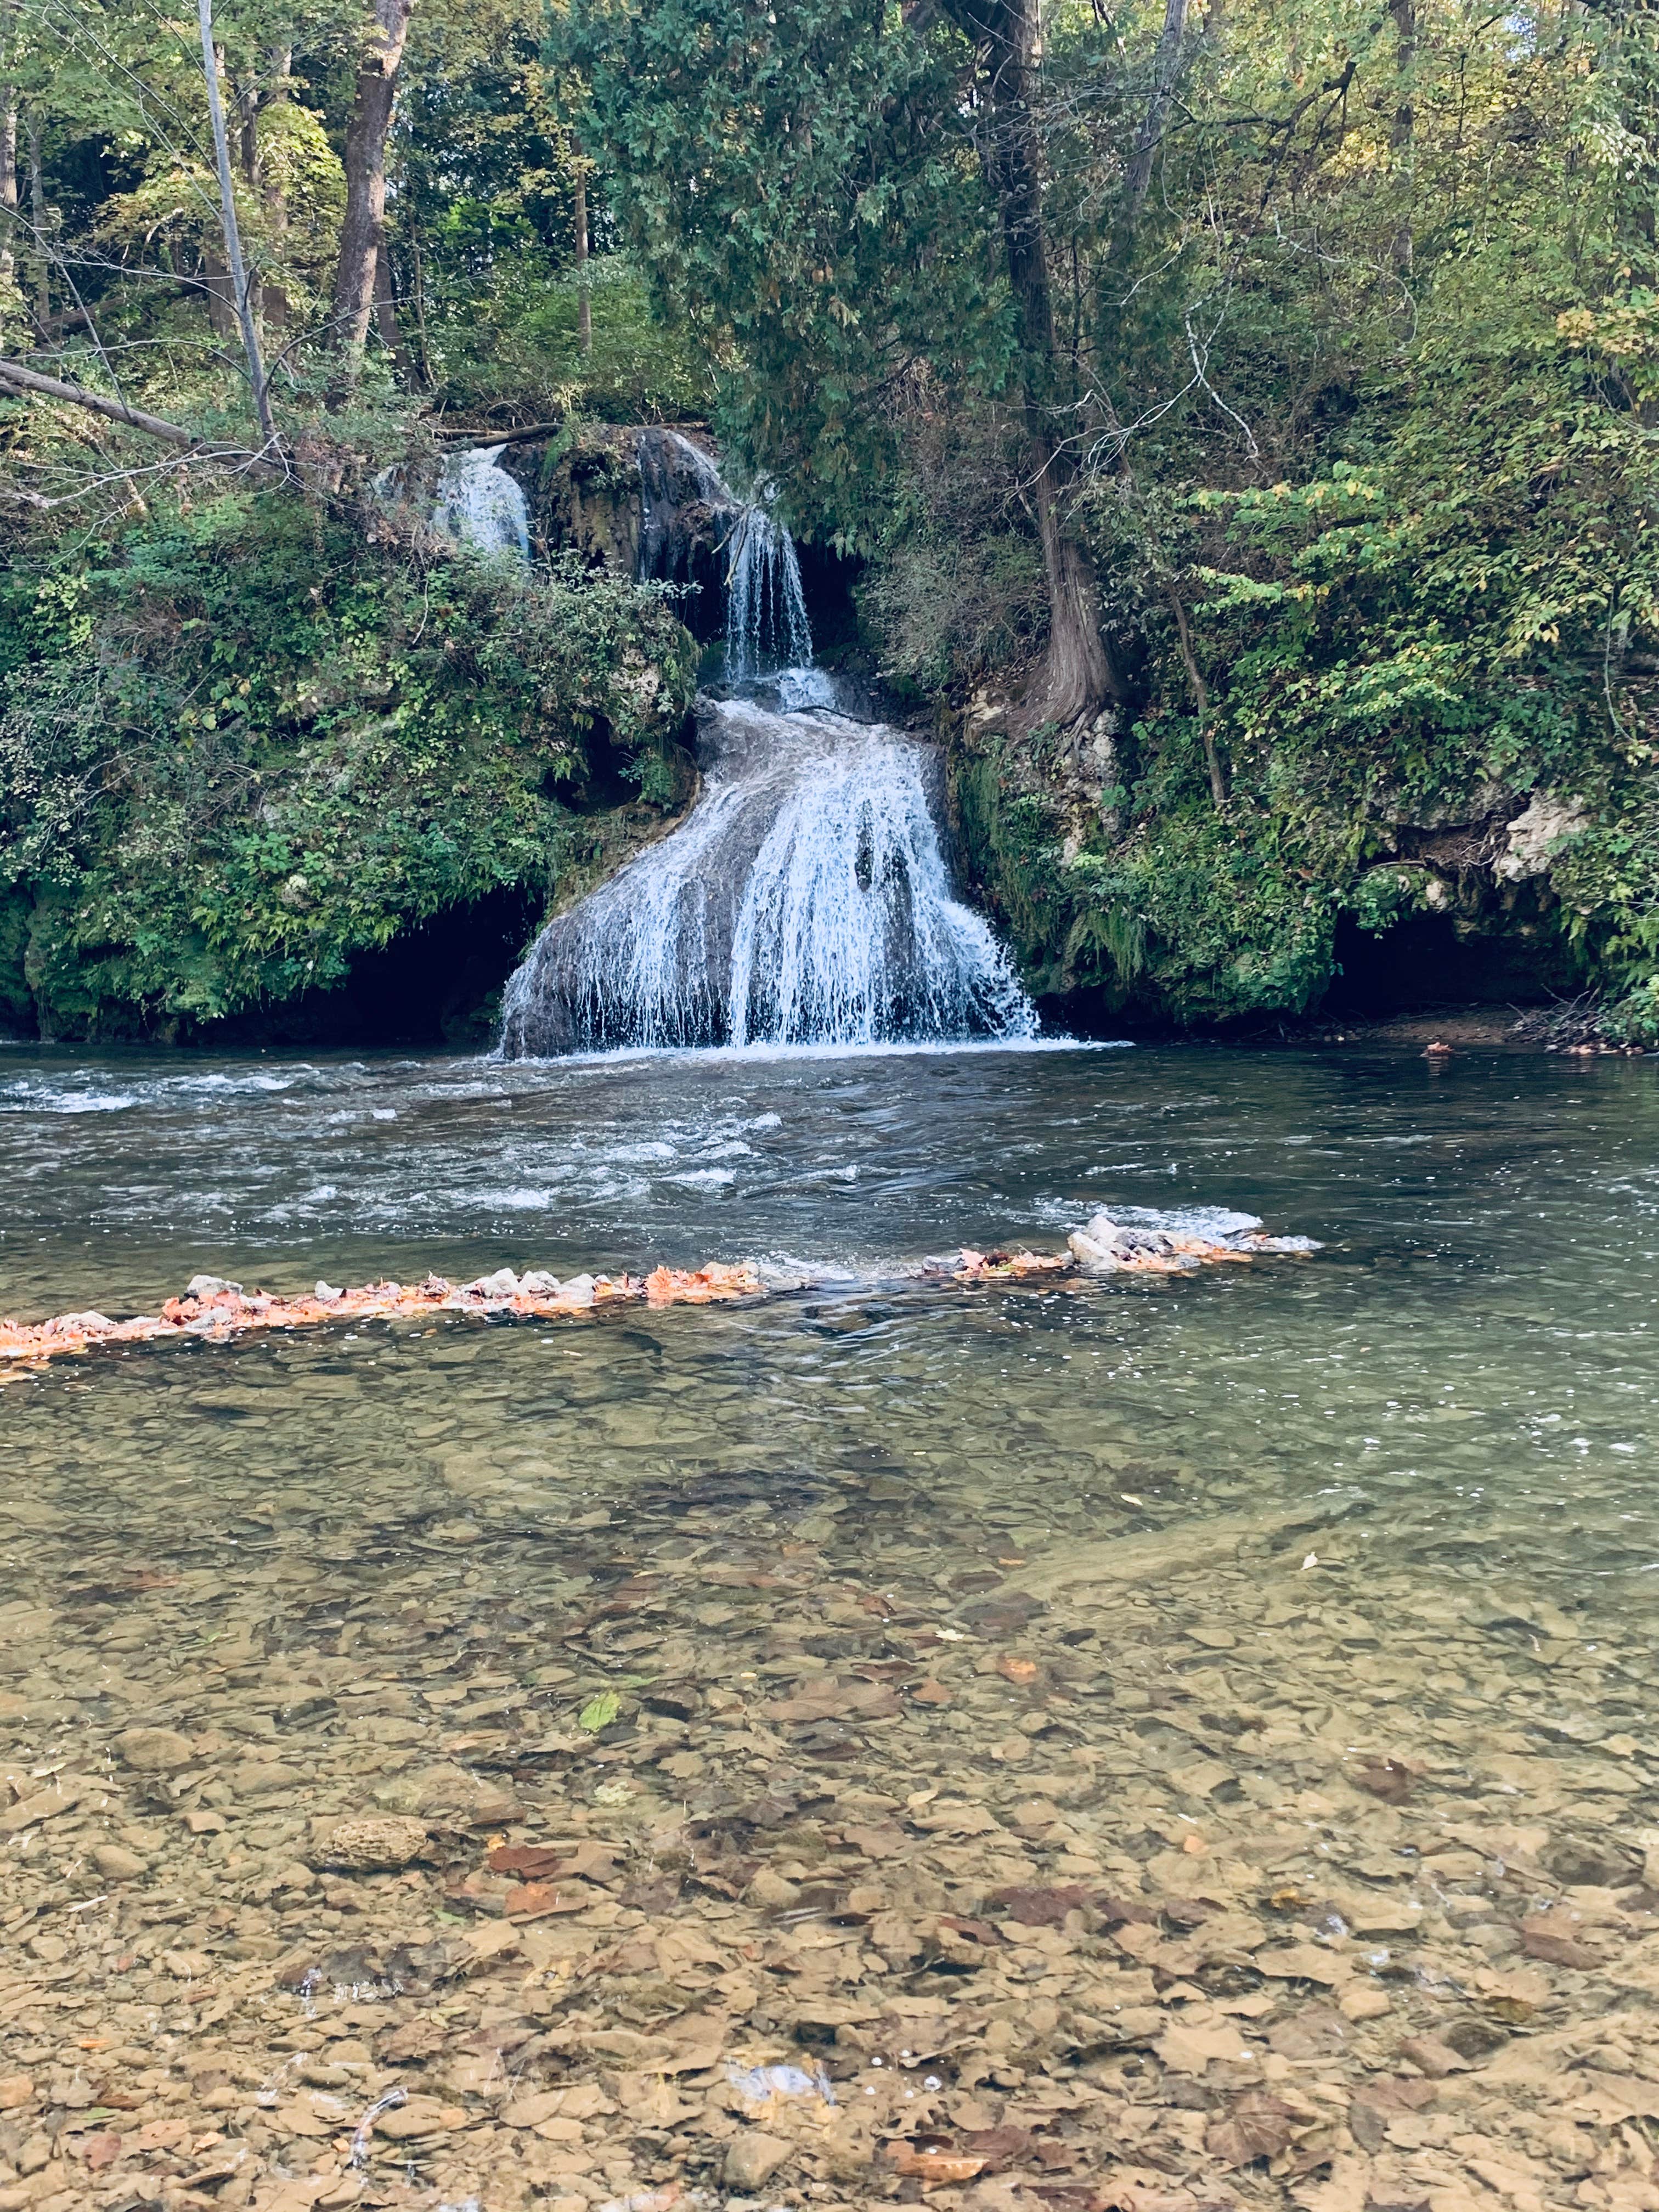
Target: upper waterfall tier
column 686, row 503
column 804, row 900
column 480, row 505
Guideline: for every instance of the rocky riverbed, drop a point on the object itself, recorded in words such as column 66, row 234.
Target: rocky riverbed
column 1202, row 1868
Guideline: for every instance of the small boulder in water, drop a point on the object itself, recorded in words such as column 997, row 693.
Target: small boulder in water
column 577, row 1291
column 1105, row 1245
column 538, row 1284
column 380, row 1844
column 503, row 1284
column 211, row 1286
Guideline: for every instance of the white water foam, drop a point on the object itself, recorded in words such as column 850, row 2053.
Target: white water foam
column 806, row 900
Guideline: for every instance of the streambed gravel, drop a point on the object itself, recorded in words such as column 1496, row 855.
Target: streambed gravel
column 1252, row 1877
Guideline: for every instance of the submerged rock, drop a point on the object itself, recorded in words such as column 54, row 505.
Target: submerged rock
column 380, row 1844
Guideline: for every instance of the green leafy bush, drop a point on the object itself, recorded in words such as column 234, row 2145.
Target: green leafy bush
column 248, row 747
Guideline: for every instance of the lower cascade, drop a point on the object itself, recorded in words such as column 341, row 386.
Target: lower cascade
column 806, row 900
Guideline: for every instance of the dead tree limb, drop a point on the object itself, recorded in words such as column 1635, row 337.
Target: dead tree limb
column 228, row 223
column 14, row 378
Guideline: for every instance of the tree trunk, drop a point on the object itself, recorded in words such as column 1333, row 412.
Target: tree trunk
column 7, row 147
column 386, row 313
column 1166, row 70
column 584, row 305
column 1200, row 691
column 273, row 301
column 365, row 168
column 220, row 296
column 1079, row 678
column 1404, row 125
column 241, row 289
column 38, row 216
column 8, row 183
column 247, row 134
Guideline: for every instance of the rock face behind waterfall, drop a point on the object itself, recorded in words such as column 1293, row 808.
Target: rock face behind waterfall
column 806, row 899
column 648, row 501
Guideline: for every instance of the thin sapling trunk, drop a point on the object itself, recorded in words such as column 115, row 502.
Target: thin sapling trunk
column 233, row 237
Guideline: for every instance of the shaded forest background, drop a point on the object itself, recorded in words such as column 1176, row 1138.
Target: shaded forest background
column 1239, row 422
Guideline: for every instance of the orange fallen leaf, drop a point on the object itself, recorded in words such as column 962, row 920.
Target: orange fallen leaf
column 1012, row 1668
column 934, row 2169
column 536, row 1899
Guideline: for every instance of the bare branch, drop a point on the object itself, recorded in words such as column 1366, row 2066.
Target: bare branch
column 15, row 378
column 256, row 367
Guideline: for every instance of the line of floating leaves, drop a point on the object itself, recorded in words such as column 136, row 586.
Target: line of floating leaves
column 216, row 1309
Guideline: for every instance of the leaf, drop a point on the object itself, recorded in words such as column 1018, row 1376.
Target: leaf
column 1386, row 1778
column 532, row 1861
column 598, row 1713
column 1040, row 1908
column 1258, row 2127
column 934, row 2169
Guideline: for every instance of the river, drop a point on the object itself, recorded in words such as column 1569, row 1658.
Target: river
column 1280, row 1640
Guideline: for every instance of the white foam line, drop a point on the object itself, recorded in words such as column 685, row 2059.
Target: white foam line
column 758, row 1054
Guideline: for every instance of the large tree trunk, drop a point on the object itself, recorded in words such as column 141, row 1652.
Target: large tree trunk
column 365, row 168
column 1079, row 678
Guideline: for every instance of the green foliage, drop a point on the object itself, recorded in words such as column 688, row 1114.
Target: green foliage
column 238, row 752
column 1404, row 501
column 518, row 346
column 956, row 589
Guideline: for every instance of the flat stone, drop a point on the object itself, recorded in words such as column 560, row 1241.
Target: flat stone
column 155, row 1750
column 116, row 1863
column 264, row 1778
column 753, row 2157
column 420, row 2116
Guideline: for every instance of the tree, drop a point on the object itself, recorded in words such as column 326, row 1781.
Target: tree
column 363, row 229
column 835, row 194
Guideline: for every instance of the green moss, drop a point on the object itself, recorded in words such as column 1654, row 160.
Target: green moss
column 248, row 747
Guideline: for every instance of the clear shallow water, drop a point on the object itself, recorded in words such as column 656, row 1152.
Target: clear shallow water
column 1395, row 1499
column 1478, row 1332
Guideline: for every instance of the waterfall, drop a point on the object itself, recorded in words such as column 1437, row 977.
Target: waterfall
column 694, row 529
column 806, row 899
column 765, row 606
column 481, row 506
